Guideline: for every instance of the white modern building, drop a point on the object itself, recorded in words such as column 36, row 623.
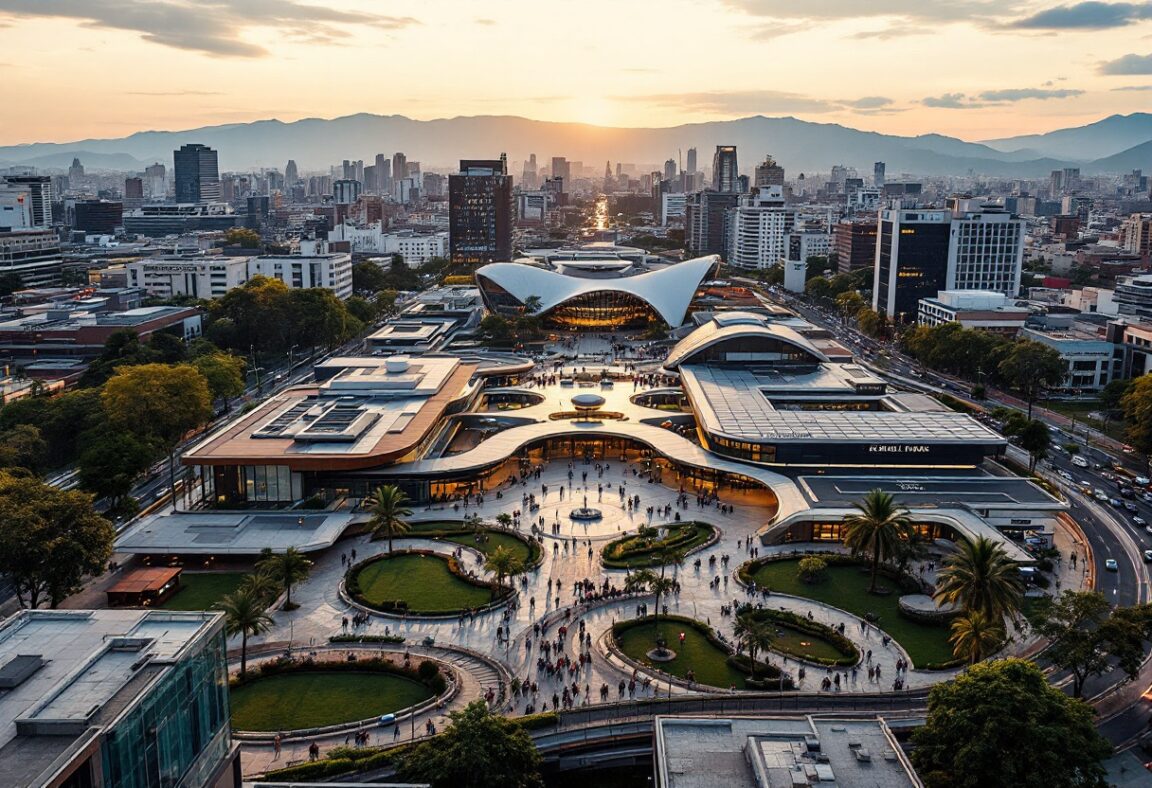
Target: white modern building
column 973, row 309
column 25, row 202
column 1134, row 296
column 760, row 229
column 986, row 251
column 415, row 248
column 532, row 206
column 1088, row 357
column 672, row 206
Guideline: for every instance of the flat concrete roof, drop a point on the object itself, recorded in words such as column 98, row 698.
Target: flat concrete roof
column 211, row 532
column 939, row 492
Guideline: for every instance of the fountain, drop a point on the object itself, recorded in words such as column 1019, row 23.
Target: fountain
column 585, row 513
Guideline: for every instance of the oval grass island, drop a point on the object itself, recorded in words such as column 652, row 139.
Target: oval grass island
column 419, row 582
column 646, row 547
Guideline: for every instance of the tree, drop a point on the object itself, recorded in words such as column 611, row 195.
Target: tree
column 244, row 615
column 504, row 520
column 111, row 463
column 981, row 578
column 368, row 277
column 1030, row 367
column 479, row 749
column 319, row 317
column 160, row 404
column 655, row 584
column 503, row 562
column 1113, row 394
column 362, row 309
column 23, row 447
column 877, row 530
column 50, row 540
column 1035, row 438
column 1137, row 405
column 287, row 568
column 532, row 304
column 753, row 636
column 224, row 374
column 243, row 237
column 975, row 636
column 1086, row 635
column 812, row 568
column 261, row 584
column 9, row 283
column 850, row 303
column 1001, row 723
column 389, row 506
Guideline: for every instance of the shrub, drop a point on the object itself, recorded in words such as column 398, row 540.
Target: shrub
column 365, row 639
column 812, row 569
column 427, row 670
column 814, row 628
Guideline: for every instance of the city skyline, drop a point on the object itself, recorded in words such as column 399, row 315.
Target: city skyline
column 174, row 65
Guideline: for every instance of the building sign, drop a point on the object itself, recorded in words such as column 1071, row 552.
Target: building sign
column 899, row 448
column 171, row 268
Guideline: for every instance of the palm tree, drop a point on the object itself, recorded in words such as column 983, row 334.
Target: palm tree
column 287, row 568
column 503, row 562
column 657, row 584
column 975, row 636
column 261, row 584
column 981, row 578
column 389, row 508
column 877, row 530
column 244, row 615
column 753, row 635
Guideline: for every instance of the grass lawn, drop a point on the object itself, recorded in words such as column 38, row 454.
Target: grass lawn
column 793, row 642
column 495, row 539
column 312, row 699
column 423, row 581
column 846, row 587
column 703, row 533
column 695, row 653
column 201, row 590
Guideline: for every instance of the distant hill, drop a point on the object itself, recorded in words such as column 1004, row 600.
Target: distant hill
column 1138, row 157
column 801, row 146
column 1098, row 140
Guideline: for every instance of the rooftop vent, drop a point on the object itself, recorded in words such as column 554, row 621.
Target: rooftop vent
column 16, row 671
column 396, row 364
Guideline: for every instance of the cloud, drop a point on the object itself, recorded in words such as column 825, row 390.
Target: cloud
column 485, row 22
column 1129, row 65
column 740, row 102
column 893, row 31
column 175, row 93
column 947, row 10
column 208, row 26
column 776, row 29
column 869, row 102
column 1090, row 15
column 949, row 101
column 1133, row 88
column 1020, row 94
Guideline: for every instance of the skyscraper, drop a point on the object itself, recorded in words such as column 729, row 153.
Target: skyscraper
column 670, row 170
column 383, row 174
column 197, row 174
column 291, row 174
column 560, row 168
column 725, row 173
column 878, row 170
column 691, row 161
column 399, row 166
column 769, row 173
column 480, row 212
column 707, row 221
column 33, row 193
column 911, row 260
column 156, row 181
column 346, row 191
column 986, row 251
column 759, row 229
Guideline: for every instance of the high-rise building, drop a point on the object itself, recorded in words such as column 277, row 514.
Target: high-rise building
column 98, row 217
column 480, row 212
column 25, row 201
column 291, row 174
column 1136, row 235
column 346, row 192
column 33, row 255
column 530, row 179
column 725, row 172
column 707, row 221
column 760, row 227
column 691, row 163
column 769, row 173
column 878, row 174
column 560, row 169
column 399, row 166
column 383, row 174
column 197, row 174
column 854, row 244
column 134, row 189
column 670, row 170
column 75, row 172
column 986, row 251
column 911, row 260
column 156, row 181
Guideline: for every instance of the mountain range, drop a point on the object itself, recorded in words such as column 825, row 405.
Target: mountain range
column 1115, row 144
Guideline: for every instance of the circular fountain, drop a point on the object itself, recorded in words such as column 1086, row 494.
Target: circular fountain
column 585, row 513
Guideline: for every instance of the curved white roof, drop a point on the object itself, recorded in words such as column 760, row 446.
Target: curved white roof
column 668, row 290
column 738, row 324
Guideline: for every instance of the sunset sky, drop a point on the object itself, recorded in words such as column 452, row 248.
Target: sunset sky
column 72, row 69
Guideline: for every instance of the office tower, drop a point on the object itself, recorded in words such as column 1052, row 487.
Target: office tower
column 878, row 170
column 725, row 172
column 769, row 173
column 98, row 217
column 399, row 166
column 670, row 170
column 291, row 174
column 760, row 226
column 358, row 170
column 156, row 181
column 1136, row 235
column 854, row 244
column 691, row 170
column 433, row 184
column 530, row 179
column 30, row 196
column 707, row 221
column 839, row 176
column 133, row 188
column 986, row 251
column 480, row 212
column 383, row 174
column 346, row 191
column 911, row 260
column 1071, row 179
column 560, row 169
column 197, row 174
column 75, row 172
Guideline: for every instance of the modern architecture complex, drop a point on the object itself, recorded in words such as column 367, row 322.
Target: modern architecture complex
column 911, row 259
column 707, row 222
column 480, row 212
column 986, row 251
column 197, row 174
column 760, row 227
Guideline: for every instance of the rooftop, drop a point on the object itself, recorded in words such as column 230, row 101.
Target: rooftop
column 211, row 532
column 779, row 752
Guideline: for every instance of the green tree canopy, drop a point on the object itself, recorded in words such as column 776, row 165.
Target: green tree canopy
column 287, row 568
column 479, row 749
column 389, row 507
column 980, row 577
column 224, row 374
column 242, row 236
column 1030, row 367
column 244, row 615
column 112, row 462
column 23, row 447
column 878, row 530
column 51, row 539
column 1137, row 405
column 1035, row 438
column 1002, row 723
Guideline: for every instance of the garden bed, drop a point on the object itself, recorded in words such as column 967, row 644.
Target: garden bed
column 526, row 550
column 797, row 636
column 643, row 549
column 419, row 582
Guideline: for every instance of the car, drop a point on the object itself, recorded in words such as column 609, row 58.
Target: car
column 1063, row 474
column 1148, row 556
column 1147, row 497
column 1100, row 496
column 1126, row 492
column 1111, row 565
column 1139, row 522
column 1115, row 502
column 1079, row 461
column 1142, row 481
column 1130, row 506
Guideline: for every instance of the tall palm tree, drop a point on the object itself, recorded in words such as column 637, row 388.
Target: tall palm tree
column 389, row 508
column 287, row 568
column 975, row 636
column 659, row 585
column 877, row 531
column 503, row 562
column 754, row 636
column 261, row 584
column 244, row 615
column 980, row 577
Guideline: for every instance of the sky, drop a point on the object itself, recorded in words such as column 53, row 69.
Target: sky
column 981, row 69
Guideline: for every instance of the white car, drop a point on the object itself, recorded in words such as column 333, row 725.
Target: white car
column 1111, row 565
column 1063, row 474
column 1142, row 481
column 1079, row 461
column 1139, row 522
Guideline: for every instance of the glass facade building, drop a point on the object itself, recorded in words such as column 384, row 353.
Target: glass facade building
column 480, row 211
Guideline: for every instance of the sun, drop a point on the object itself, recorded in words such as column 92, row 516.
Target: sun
column 595, row 110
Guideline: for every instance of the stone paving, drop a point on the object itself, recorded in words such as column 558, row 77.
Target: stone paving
column 546, row 592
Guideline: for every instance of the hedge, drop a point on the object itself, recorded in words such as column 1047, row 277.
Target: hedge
column 365, row 639
column 460, row 528
column 906, row 583
column 621, row 553
column 352, row 584
column 814, row 628
column 434, row 681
